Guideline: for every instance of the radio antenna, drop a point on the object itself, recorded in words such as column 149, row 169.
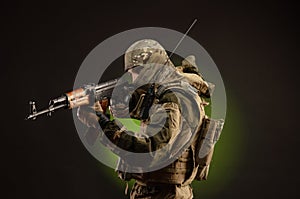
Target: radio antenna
column 182, row 38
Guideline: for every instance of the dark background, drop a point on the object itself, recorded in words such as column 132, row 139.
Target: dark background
column 254, row 44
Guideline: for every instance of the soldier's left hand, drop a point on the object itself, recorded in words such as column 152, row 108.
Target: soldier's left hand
column 87, row 114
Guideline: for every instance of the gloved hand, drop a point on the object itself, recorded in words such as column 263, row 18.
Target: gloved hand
column 88, row 114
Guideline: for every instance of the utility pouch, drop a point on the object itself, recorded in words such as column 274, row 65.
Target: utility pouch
column 121, row 170
column 209, row 135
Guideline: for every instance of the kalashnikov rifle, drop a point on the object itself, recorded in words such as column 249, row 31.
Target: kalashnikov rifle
column 75, row 98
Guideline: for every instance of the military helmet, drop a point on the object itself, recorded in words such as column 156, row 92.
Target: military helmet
column 141, row 52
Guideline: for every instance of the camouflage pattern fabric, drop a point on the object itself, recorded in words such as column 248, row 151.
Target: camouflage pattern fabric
column 168, row 191
column 175, row 118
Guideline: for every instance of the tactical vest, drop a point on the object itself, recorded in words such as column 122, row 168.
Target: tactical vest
column 194, row 161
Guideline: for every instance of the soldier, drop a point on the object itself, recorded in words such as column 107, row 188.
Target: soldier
column 172, row 125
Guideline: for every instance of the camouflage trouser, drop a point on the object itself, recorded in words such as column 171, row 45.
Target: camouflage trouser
column 161, row 192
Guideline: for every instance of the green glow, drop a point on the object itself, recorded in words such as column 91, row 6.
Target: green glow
column 131, row 124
